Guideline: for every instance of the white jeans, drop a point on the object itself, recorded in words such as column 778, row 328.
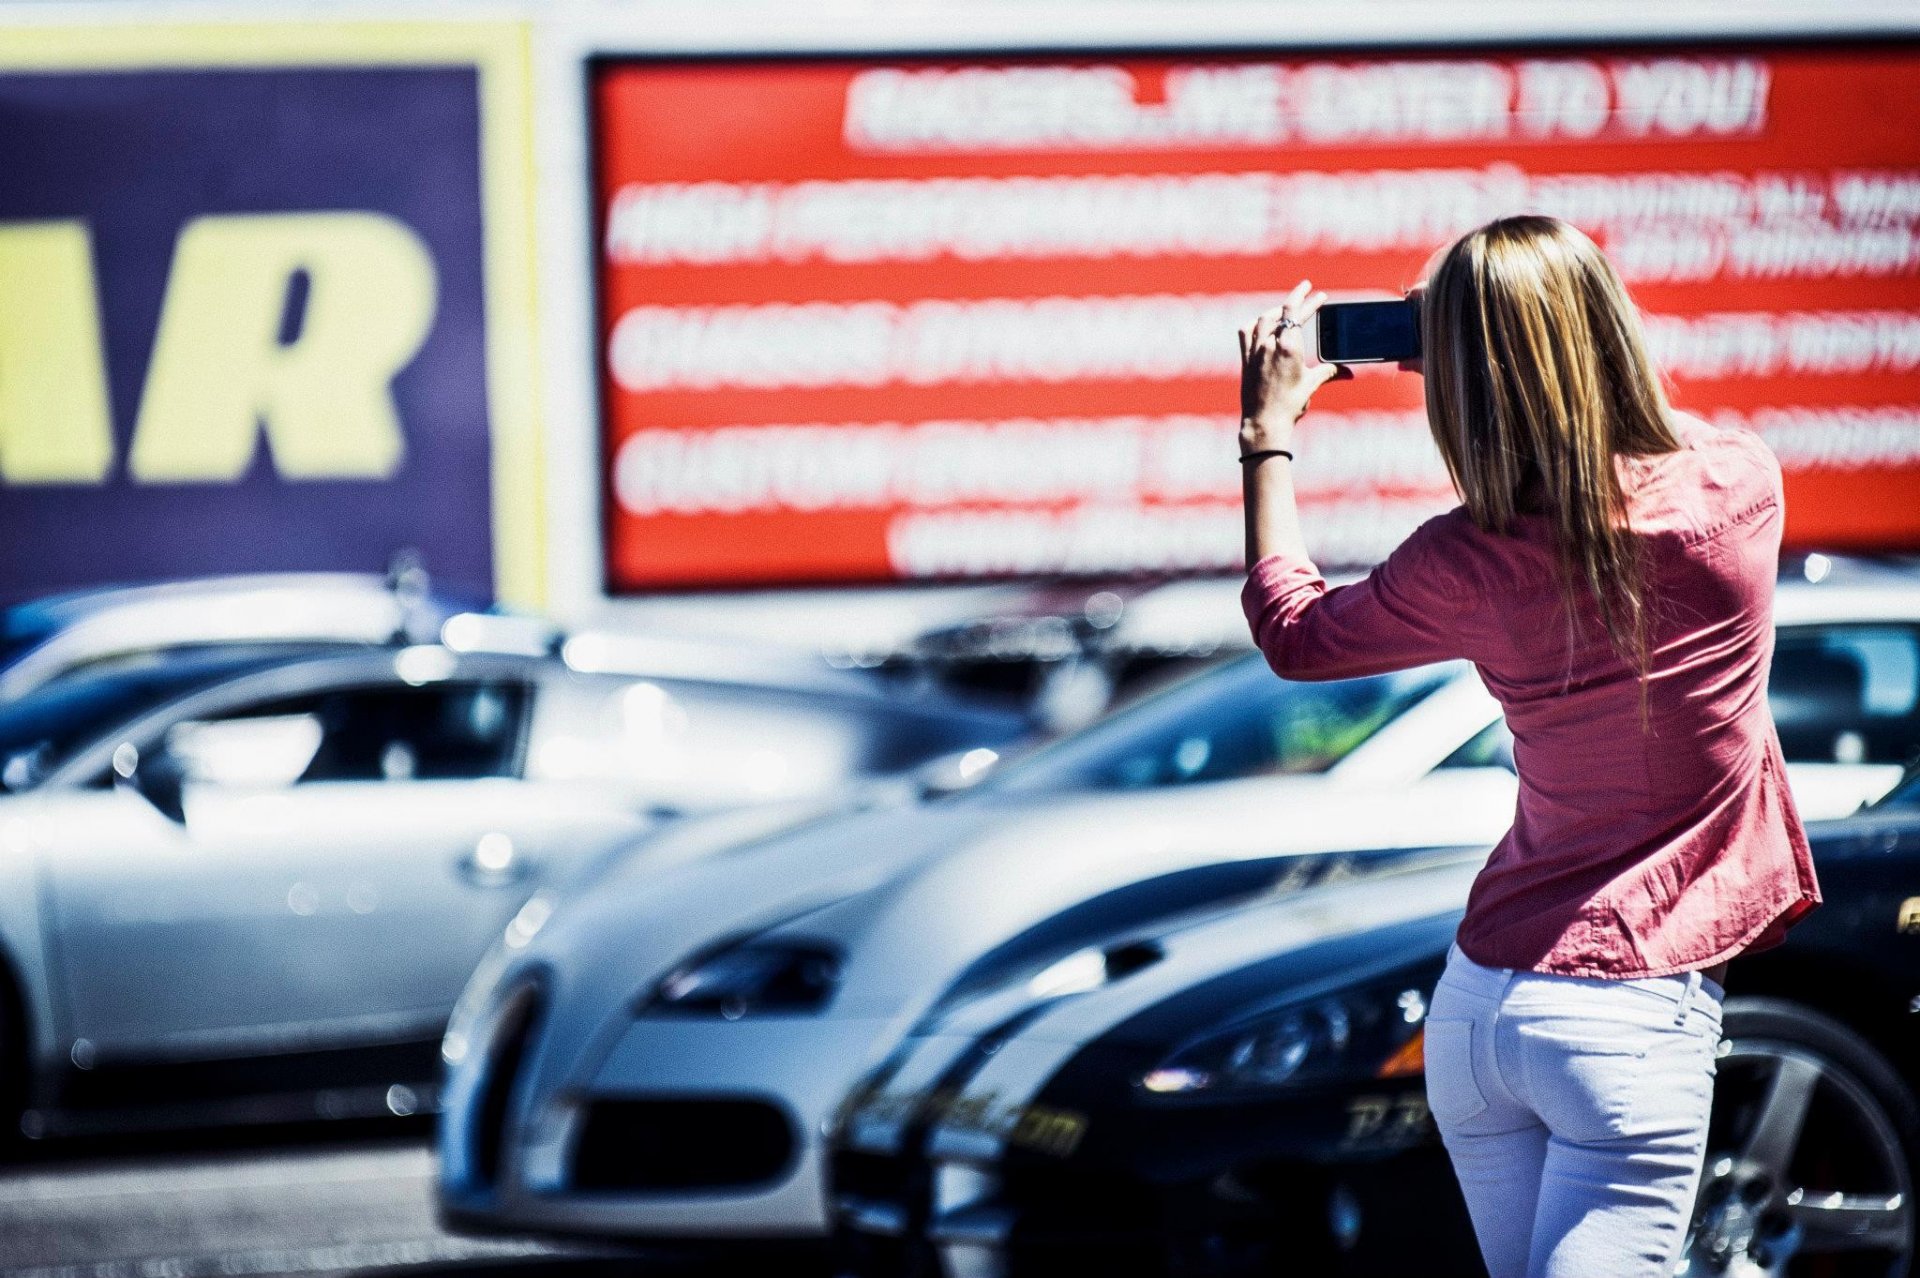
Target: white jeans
column 1575, row 1112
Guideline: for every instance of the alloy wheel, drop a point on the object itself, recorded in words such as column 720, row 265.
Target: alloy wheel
column 1806, row 1175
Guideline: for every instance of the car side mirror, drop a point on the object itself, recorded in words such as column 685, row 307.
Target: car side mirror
column 157, row 777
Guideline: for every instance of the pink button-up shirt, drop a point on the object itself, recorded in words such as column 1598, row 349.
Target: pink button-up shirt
column 1633, row 852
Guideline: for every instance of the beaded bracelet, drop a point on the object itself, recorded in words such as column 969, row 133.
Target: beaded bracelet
column 1260, row 454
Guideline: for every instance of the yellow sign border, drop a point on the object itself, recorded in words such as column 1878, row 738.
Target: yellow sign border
column 501, row 51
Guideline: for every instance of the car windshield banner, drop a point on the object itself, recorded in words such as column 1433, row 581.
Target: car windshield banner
column 252, row 312
column 871, row 321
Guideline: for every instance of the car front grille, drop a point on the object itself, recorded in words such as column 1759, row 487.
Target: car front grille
column 681, row 1144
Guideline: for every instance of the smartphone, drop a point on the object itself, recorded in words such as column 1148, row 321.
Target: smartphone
column 1368, row 332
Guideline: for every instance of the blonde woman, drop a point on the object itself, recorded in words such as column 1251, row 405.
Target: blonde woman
column 1610, row 572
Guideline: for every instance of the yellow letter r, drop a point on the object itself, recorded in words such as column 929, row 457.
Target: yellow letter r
column 223, row 370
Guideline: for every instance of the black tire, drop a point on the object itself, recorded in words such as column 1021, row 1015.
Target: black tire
column 1809, row 1165
column 15, row 1064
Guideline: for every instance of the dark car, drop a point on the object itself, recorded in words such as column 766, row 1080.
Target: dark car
column 1240, row 1093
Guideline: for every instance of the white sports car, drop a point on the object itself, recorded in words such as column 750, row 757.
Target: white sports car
column 657, row 1055
column 245, row 882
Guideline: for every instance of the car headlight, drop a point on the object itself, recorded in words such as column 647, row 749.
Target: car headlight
column 749, row 978
column 1372, row 1033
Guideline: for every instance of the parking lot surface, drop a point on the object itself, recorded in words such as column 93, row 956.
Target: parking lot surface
column 359, row 1208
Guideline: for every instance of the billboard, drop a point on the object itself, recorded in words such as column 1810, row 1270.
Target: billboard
column 878, row 320
column 264, row 304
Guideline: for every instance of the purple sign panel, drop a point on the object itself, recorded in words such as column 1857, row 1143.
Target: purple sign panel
column 241, row 325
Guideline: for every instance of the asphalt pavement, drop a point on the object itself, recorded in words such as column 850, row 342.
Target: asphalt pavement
column 363, row 1208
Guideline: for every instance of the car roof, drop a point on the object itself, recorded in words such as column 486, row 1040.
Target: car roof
column 53, row 611
column 352, row 610
column 61, row 634
column 770, row 667
column 748, row 667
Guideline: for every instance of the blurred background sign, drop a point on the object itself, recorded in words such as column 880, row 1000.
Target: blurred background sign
column 879, row 320
column 249, row 313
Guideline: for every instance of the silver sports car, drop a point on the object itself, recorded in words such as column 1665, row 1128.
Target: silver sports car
column 239, row 886
column 658, row 1060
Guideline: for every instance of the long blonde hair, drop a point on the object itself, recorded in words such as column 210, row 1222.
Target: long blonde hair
column 1537, row 377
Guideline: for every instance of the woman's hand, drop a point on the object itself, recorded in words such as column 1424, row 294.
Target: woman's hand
column 1276, row 381
column 1417, row 365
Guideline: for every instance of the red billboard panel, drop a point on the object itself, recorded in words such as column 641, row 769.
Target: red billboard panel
column 866, row 321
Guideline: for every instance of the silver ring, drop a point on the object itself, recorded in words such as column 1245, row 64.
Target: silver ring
column 1286, row 322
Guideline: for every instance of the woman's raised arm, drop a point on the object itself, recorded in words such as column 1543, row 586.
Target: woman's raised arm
column 1404, row 613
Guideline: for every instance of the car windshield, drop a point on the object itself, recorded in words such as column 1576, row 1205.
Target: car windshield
column 46, row 728
column 1235, row 721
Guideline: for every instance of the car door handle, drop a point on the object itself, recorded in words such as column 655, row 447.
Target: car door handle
column 494, row 861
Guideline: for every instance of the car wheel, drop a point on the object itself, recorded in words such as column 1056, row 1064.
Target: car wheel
column 14, row 1067
column 1808, row 1166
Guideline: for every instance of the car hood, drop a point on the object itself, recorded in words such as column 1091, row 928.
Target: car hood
column 1204, row 971
column 624, row 925
column 1396, row 915
column 905, row 939
column 908, row 938
column 912, row 894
